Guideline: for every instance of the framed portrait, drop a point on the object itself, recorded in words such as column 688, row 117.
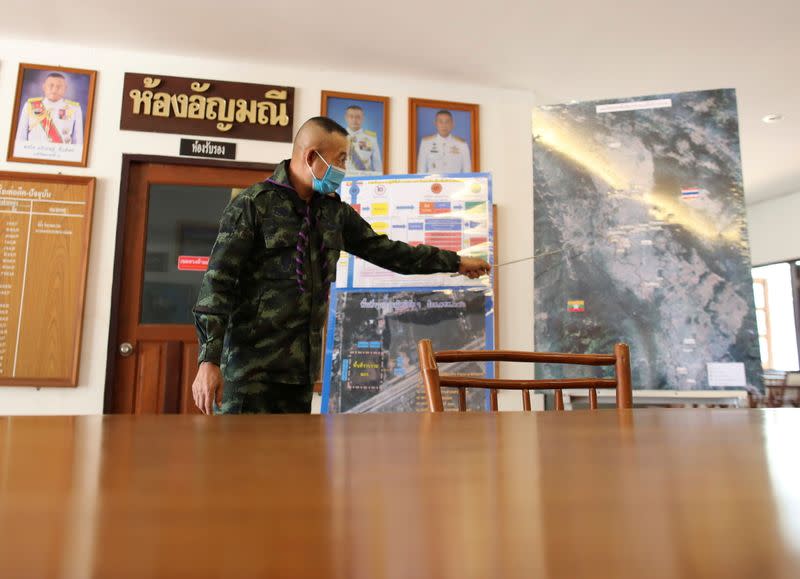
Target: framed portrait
column 366, row 118
column 442, row 137
column 52, row 115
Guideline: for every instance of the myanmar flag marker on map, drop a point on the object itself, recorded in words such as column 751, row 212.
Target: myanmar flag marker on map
column 576, row 306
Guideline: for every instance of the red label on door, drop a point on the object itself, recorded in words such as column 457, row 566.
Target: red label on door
column 192, row 263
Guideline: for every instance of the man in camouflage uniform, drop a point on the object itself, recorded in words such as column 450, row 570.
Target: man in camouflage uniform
column 263, row 300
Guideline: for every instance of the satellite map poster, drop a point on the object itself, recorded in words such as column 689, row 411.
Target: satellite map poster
column 640, row 236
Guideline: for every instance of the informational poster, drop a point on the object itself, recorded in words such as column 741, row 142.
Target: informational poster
column 377, row 317
column 640, row 236
column 373, row 363
column 449, row 212
column 45, row 222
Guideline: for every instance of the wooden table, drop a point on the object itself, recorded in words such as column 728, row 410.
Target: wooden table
column 646, row 494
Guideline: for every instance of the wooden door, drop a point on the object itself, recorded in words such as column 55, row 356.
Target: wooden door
column 169, row 215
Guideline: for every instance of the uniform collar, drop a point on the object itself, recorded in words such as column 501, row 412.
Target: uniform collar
column 352, row 132
column 280, row 177
column 47, row 101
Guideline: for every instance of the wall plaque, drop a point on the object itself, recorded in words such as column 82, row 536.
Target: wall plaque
column 169, row 104
column 45, row 224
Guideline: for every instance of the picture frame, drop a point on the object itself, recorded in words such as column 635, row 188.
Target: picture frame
column 52, row 116
column 449, row 147
column 369, row 130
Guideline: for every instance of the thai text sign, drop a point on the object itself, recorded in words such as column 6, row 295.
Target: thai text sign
column 168, row 104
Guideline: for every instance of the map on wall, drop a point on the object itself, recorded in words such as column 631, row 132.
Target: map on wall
column 640, row 236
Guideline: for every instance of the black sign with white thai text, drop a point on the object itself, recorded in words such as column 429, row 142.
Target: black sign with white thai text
column 209, row 149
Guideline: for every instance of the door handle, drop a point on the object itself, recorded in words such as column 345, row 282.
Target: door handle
column 126, row 349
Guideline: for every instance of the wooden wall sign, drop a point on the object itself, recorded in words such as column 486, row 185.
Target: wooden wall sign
column 45, row 226
column 170, row 104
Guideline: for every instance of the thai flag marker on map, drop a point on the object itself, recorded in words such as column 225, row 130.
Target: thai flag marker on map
column 690, row 193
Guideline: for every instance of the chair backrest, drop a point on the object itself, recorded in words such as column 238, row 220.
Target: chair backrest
column 783, row 393
column 791, row 379
column 434, row 382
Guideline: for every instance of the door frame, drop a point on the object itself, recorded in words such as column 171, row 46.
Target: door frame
column 128, row 160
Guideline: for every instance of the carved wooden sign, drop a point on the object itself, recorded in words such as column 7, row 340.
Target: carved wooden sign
column 169, row 104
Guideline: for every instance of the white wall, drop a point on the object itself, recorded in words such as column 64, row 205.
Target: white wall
column 774, row 229
column 505, row 151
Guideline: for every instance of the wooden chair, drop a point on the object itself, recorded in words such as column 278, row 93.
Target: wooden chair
column 787, row 392
column 434, row 382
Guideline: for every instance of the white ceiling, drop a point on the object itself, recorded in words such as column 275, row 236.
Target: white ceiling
column 559, row 49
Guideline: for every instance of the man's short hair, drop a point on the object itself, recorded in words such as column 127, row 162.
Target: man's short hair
column 354, row 108
column 444, row 112
column 327, row 125
column 55, row 75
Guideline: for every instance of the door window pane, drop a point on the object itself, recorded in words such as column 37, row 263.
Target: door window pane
column 781, row 336
column 761, row 320
column 764, row 346
column 182, row 223
column 758, row 294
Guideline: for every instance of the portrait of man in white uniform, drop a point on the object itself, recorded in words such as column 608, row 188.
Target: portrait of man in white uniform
column 443, row 152
column 444, row 137
column 366, row 119
column 53, row 107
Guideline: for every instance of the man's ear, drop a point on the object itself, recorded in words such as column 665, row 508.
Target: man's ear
column 311, row 155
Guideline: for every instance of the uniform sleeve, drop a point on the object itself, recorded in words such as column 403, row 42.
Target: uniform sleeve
column 422, row 158
column 467, row 159
column 77, row 128
column 362, row 241
column 377, row 162
column 22, row 126
column 219, row 288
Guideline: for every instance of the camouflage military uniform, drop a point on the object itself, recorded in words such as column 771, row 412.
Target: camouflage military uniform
column 263, row 300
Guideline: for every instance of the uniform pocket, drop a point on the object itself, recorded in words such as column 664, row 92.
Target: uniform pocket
column 333, row 245
column 277, row 261
column 280, row 245
column 279, row 264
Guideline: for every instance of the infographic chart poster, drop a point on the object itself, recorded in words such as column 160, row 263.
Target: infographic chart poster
column 448, row 211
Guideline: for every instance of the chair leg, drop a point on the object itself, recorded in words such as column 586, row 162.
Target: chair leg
column 462, row 399
column 559, row 400
column 526, row 400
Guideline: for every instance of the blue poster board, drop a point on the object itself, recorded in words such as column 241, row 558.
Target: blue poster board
column 377, row 317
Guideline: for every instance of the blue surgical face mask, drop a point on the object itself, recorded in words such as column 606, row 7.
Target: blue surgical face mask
column 330, row 181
